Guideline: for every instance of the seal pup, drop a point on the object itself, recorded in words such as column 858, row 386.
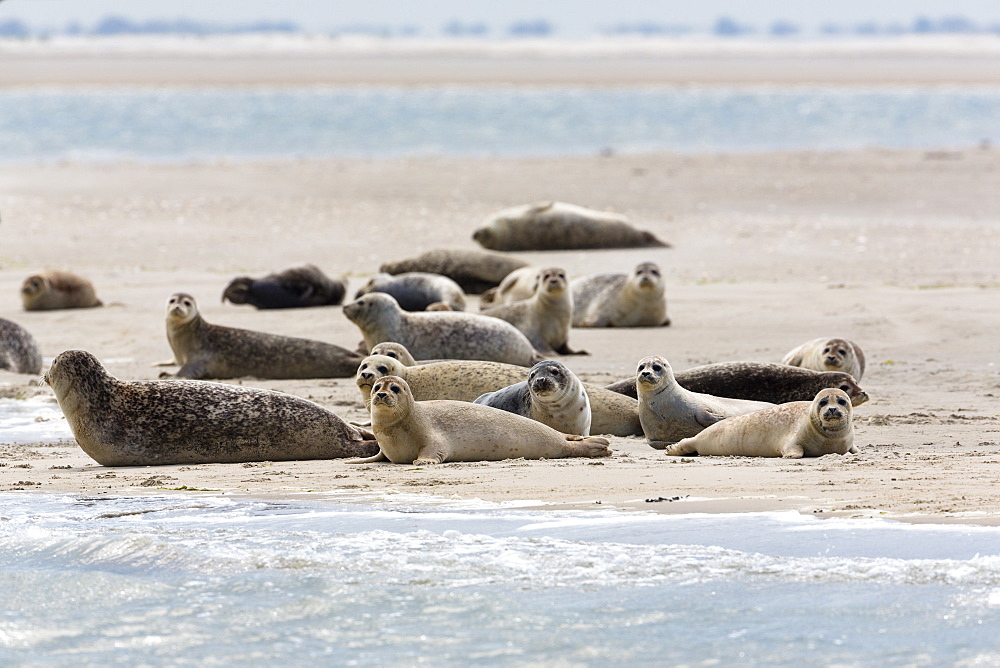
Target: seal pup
column 828, row 355
column 432, row 432
column 621, row 300
column 669, row 413
column 417, row 290
column 212, row 351
column 154, row 422
column 18, row 351
column 474, row 271
column 560, row 226
column 552, row 395
column 439, row 334
column 517, row 285
column 544, row 318
column 51, row 290
column 757, row 381
column 294, row 287
column 797, row 429
column 465, row 380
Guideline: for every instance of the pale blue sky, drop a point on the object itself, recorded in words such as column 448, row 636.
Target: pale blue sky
column 570, row 17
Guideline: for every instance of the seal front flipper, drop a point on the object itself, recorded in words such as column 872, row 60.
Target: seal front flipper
column 195, row 369
column 707, row 418
column 432, row 453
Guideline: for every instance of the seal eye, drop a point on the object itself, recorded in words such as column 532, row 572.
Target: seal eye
column 824, row 401
column 657, row 368
column 826, row 350
column 842, row 351
column 841, row 402
column 395, row 389
column 654, row 272
column 845, row 388
column 382, row 369
column 391, row 354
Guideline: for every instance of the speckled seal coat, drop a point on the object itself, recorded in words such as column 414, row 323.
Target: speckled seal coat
column 52, row 290
column 545, row 317
column 552, row 395
column 757, row 381
column 828, row 355
column 432, row 432
column 148, row 423
column 797, row 429
column 621, row 300
column 669, row 413
column 559, row 226
column 18, row 351
column 474, row 271
column 416, row 290
column 440, row 334
column 295, row 287
column 211, row 351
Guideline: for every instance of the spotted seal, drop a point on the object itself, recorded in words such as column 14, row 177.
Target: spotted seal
column 621, row 300
column 52, row 290
column 828, row 355
column 552, row 395
column 474, row 271
column 295, row 287
column 417, row 291
column 18, row 351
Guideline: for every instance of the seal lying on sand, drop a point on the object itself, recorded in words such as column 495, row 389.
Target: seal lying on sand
column 153, row 422
column 669, row 413
column 621, row 300
column 18, row 350
column 432, row 432
column 295, row 287
column 416, row 290
column 211, row 351
column 518, row 285
column 51, row 290
column 440, row 334
column 828, row 355
column 545, row 317
column 474, row 271
column 552, row 395
column 559, row 226
column 757, row 381
column 793, row 430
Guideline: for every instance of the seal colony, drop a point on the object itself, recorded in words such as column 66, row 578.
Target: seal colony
column 295, row 287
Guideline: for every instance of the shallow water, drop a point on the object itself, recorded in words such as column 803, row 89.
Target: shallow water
column 170, row 124
column 34, row 420
column 363, row 579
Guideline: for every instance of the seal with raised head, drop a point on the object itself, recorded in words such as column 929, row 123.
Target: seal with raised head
column 474, row 271
column 560, row 226
column 465, row 380
column 417, row 290
column 18, row 351
column 669, row 413
column 295, row 287
column 793, row 430
column 828, row 355
column 212, row 351
column 52, row 290
column 515, row 286
column 621, row 300
column 552, row 395
column 432, row 432
column 439, row 334
column 154, row 422
column 544, row 318
column 757, row 381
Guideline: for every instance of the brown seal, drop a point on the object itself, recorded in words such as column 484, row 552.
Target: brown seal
column 560, row 226
column 51, row 290
column 296, row 287
column 475, row 271
column 432, row 432
column 621, row 300
column 211, row 351
column 546, row 316
column 18, row 351
column 828, row 355
column 793, row 430
column 154, row 422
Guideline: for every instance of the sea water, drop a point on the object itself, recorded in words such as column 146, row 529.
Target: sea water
column 178, row 124
column 35, row 420
column 376, row 579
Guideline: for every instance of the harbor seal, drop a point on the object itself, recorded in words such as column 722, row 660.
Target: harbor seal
column 439, row 334
column 544, row 318
column 560, row 226
column 757, row 381
column 828, row 355
column 51, row 290
column 517, row 285
column 294, row 287
column 432, row 432
column 793, row 430
column 155, row 422
column 552, row 395
column 621, row 300
column 669, row 413
column 465, row 380
column 212, row 351
column 417, row 290
column 18, row 350
column 474, row 271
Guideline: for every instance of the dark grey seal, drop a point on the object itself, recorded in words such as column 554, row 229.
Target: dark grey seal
column 295, row 287
column 416, row 290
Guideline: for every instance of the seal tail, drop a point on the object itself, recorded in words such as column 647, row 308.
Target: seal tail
column 589, row 446
column 651, row 239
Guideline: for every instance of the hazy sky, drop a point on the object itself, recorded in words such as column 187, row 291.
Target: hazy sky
column 570, row 17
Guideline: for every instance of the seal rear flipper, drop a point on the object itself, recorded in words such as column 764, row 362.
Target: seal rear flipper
column 566, row 350
column 380, row 457
column 194, row 369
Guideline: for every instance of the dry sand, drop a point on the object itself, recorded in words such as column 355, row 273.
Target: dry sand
column 895, row 250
